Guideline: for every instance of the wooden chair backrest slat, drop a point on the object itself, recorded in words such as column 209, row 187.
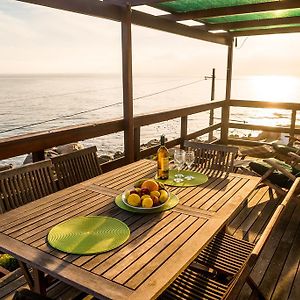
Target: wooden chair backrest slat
column 76, row 167
column 244, row 273
column 213, row 157
column 24, row 184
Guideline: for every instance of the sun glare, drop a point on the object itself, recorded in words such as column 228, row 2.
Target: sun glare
column 275, row 88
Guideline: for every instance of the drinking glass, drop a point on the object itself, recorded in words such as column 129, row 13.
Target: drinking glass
column 179, row 159
column 189, row 160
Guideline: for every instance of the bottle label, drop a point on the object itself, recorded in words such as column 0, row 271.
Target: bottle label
column 165, row 164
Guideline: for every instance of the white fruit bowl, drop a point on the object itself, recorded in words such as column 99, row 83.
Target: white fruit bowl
column 136, row 190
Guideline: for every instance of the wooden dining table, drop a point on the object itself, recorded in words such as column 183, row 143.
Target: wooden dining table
column 160, row 246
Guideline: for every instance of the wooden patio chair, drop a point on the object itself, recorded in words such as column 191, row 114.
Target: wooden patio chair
column 195, row 284
column 76, row 167
column 21, row 185
column 213, row 159
column 276, row 174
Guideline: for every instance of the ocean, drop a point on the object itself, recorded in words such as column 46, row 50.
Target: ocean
column 40, row 102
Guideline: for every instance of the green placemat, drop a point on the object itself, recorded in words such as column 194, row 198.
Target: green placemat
column 172, row 202
column 198, row 179
column 88, row 235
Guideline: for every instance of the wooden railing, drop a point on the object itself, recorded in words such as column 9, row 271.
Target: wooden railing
column 37, row 142
column 289, row 130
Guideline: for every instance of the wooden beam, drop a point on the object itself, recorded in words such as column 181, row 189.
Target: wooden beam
column 109, row 11
column 92, row 8
column 146, row 2
column 264, row 104
column 135, row 2
column 157, row 117
column 254, row 23
column 265, row 31
column 160, row 23
column 226, row 107
column 127, row 87
column 33, row 142
column 235, row 10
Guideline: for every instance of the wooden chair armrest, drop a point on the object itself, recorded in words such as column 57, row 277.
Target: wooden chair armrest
column 294, row 156
column 293, row 138
column 273, row 221
column 281, row 169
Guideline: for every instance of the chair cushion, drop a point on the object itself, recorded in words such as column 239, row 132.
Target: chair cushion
column 276, row 177
column 264, row 151
column 284, row 149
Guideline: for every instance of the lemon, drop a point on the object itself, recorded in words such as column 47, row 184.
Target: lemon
column 155, row 193
column 144, row 196
column 134, row 200
column 147, row 202
column 164, row 196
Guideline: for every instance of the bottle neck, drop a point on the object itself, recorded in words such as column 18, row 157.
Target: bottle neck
column 162, row 140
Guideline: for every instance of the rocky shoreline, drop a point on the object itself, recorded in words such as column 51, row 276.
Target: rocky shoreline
column 268, row 137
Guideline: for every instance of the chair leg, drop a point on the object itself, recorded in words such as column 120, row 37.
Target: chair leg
column 25, row 294
column 27, row 274
column 255, row 288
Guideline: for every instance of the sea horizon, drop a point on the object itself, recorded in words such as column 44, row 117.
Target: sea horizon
column 61, row 97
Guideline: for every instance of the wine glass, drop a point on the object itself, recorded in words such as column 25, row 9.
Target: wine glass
column 189, row 160
column 179, row 159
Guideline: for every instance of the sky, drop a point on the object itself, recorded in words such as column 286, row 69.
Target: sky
column 36, row 39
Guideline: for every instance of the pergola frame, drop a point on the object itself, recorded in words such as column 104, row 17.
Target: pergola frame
column 123, row 11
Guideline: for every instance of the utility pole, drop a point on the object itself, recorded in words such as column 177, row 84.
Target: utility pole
column 212, row 98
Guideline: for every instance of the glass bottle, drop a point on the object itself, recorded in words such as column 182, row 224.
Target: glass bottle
column 162, row 160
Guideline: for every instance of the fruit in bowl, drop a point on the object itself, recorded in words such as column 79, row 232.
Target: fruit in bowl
column 146, row 193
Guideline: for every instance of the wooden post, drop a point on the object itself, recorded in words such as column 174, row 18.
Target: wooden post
column 137, row 143
column 293, row 126
column 226, row 108
column 127, row 86
column 212, row 98
column 183, row 130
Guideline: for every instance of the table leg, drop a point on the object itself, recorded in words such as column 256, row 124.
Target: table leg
column 39, row 282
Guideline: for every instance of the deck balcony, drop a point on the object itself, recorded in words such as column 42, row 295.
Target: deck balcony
column 277, row 270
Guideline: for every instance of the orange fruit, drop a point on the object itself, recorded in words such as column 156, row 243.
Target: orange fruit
column 151, row 185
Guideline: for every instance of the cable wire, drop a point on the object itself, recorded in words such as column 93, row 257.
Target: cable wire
column 242, row 44
column 99, row 108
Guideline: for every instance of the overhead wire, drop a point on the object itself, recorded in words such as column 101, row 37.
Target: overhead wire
column 242, row 44
column 98, row 108
column 71, row 93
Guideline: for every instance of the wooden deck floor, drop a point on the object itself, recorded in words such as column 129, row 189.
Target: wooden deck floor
column 277, row 272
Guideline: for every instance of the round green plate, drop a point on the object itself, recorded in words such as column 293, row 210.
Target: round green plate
column 88, row 235
column 172, row 202
column 198, row 179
